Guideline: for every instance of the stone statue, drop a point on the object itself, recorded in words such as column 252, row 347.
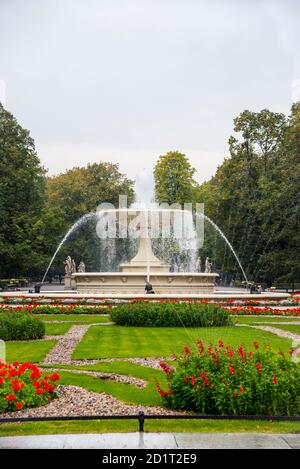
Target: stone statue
column 68, row 265
column 198, row 264
column 81, row 267
column 207, row 266
column 73, row 266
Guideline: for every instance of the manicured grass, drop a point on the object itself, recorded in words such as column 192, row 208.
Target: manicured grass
column 119, row 367
column 258, row 320
column 128, row 393
column 33, row 351
column 289, row 327
column 113, row 426
column 127, row 342
column 57, row 329
column 78, row 318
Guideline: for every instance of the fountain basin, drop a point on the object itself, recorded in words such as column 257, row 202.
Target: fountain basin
column 134, row 282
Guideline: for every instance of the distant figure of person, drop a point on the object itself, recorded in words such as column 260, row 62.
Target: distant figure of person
column 149, row 288
column 60, row 277
column 198, row 264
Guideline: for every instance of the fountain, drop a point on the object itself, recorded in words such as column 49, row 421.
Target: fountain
column 145, row 266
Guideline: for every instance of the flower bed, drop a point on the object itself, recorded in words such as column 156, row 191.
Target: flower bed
column 263, row 311
column 223, row 381
column 37, row 309
column 24, row 386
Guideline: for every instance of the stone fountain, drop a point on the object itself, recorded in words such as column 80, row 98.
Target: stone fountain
column 145, row 266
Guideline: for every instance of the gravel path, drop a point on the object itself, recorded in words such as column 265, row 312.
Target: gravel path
column 274, row 330
column 61, row 354
column 74, row 400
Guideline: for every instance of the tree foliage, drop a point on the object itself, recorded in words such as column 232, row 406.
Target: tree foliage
column 254, row 198
column 173, row 176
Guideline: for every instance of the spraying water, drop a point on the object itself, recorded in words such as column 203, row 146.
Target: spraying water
column 225, row 239
column 73, row 228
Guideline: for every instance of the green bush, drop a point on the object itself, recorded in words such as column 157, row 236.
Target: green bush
column 223, row 381
column 169, row 314
column 20, row 325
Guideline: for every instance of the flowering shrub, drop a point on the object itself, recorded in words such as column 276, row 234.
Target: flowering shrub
column 222, row 381
column 20, row 325
column 24, row 386
column 147, row 314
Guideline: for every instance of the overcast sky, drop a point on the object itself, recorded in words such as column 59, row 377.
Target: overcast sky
column 128, row 80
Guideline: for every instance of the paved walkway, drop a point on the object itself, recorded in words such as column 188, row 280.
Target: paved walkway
column 155, row 441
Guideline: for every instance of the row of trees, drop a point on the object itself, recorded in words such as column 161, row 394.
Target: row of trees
column 36, row 211
column 253, row 198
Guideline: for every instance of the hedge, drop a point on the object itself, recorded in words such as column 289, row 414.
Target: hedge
column 15, row 325
column 146, row 314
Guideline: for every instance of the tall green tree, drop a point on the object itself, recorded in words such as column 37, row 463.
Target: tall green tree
column 254, row 197
column 71, row 195
column 173, row 176
column 21, row 196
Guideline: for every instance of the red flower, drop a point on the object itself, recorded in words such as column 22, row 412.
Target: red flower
column 19, row 405
column 242, row 390
column 10, row 397
column 187, row 351
column 231, row 369
column 234, row 395
column 16, row 385
column 274, row 379
column 39, row 391
column 166, row 368
column 1, row 381
column 15, row 363
column 258, row 367
column 186, row 379
column 241, row 351
column 200, row 346
column 221, row 344
column 54, row 377
column 256, row 345
column 193, row 380
column 49, row 388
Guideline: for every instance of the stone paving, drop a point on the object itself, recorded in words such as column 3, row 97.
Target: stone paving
column 155, row 441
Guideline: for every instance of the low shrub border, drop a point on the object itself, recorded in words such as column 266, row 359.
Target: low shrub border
column 24, row 386
column 223, row 381
column 145, row 314
column 20, row 325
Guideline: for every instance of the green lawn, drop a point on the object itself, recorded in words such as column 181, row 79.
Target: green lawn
column 113, row 426
column 127, row 342
column 289, row 327
column 57, row 329
column 258, row 320
column 119, row 367
column 77, row 318
column 33, row 351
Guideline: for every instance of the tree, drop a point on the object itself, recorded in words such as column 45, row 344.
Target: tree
column 71, row 195
column 21, row 195
column 173, row 176
column 254, row 197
